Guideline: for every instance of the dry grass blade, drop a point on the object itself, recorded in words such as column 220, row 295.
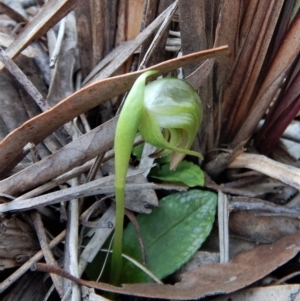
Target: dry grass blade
column 40, row 230
column 283, row 60
column 238, row 95
column 280, row 116
column 49, row 15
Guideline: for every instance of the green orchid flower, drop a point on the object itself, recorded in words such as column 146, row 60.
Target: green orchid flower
column 167, row 113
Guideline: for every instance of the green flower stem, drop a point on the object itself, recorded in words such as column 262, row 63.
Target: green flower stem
column 126, row 130
column 167, row 113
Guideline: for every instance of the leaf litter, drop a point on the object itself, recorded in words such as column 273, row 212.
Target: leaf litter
column 210, row 279
column 237, row 83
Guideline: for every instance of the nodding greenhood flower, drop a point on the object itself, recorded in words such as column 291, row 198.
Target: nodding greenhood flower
column 167, row 113
column 171, row 118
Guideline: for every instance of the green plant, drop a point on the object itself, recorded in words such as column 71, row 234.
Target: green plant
column 171, row 234
column 167, row 113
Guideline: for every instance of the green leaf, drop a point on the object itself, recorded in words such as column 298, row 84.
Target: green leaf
column 187, row 172
column 172, row 233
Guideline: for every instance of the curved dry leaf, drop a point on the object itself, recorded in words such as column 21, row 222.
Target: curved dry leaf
column 208, row 280
column 41, row 126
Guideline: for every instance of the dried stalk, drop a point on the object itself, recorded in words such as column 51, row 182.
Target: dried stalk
column 284, row 173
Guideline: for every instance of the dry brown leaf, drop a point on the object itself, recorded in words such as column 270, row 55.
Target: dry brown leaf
column 230, row 19
column 210, row 279
column 79, row 151
column 39, row 127
column 27, row 289
column 98, row 16
column 256, row 227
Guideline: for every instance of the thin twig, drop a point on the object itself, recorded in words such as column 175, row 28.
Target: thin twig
column 106, row 257
column 60, row 36
column 83, row 190
column 95, row 243
column 140, row 266
column 136, row 227
column 47, row 296
column 94, row 169
column 53, row 269
column 88, row 212
column 40, row 231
